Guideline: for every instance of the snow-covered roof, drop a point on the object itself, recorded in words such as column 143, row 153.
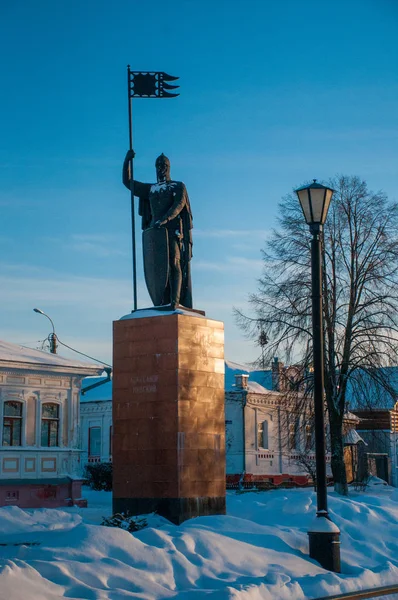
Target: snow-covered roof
column 256, row 388
column 349, row 416
column 102, row 393
column 352, row 437
column 262, row 378
column 24, row 357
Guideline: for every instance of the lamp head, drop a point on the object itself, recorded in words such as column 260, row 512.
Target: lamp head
column 314, row 201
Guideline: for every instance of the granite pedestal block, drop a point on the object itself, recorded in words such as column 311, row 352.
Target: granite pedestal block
column 168, row 415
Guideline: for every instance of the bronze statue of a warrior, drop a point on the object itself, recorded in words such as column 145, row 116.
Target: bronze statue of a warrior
column 167, row 234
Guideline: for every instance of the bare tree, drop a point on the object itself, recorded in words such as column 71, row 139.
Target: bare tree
column 360, row 278
column 297, row 440
column 307, row 463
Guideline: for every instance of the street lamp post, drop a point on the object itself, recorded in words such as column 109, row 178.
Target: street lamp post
column 324, row 535
column 52, row 338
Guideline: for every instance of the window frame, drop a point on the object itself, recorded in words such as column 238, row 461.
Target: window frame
column 263, row 430
column 12, row 418
column 89, row 441
column 50, row 420
column 309, row 438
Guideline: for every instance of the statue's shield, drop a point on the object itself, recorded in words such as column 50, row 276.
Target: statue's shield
column 155, row 245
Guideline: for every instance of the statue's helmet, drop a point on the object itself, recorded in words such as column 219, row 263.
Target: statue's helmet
column 162, row 159
column 162, row 165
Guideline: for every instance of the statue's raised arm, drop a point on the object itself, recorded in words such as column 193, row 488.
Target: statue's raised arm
column 141, row 190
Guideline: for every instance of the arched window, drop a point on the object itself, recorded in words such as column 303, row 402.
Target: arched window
column 262, row 435
column 12, row 424
column 50, row 424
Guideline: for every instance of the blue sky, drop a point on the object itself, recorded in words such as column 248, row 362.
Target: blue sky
column 272, row 94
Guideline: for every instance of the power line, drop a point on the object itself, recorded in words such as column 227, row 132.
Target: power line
column 83, row 354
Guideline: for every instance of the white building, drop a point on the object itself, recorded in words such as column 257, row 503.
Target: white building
column 96, row 421
column 40, row 455
column 263, row 441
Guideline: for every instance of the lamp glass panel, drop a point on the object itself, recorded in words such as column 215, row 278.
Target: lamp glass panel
column 305, row 204
column 317, row 198
column 329, row 194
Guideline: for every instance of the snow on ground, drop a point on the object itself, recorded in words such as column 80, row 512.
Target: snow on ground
column 258, row 551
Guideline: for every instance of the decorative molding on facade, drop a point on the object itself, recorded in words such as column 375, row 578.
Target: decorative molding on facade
column 39, row 373
column 15, row 379
column 262, row 400
column 36, row 449
column 255, row 399
column 48, row 464
column 12, row 394
column 101, row 406
column 47, row 396
column 52, row 381
column 10, row 464
column 307, row 456
column 30, row 464
column 264, row 455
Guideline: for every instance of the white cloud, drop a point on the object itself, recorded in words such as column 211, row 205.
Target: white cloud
column 98, row 245
column 231, row 264
column 204, row 265
column 246, row 263
column 232, row 233
column 54, row 289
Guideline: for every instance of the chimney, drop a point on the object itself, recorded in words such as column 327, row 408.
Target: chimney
column 277, row 369
column 241, row 381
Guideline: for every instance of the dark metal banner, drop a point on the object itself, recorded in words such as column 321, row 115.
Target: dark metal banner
column 155, row 246
column 151, row 84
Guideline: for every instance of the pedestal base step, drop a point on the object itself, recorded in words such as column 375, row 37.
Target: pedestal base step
column 175, row 510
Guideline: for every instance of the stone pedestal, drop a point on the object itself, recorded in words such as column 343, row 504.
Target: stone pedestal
column 168, row 415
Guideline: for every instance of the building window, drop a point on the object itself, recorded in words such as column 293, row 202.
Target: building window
column 12, row 424
column 94, row 442
column 49, row 424
column 262, row 435
column 292, row 437
column 309, row 438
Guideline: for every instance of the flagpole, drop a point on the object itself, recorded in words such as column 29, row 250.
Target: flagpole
column 130, row 101
column 143, row 84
